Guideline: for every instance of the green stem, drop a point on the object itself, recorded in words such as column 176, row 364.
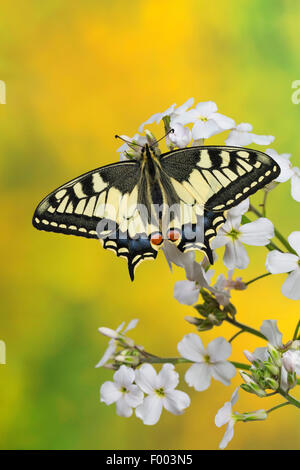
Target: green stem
column 236, row 334
column 288, row 397
column 296, row 330
column 264, row 204
column 257, row 278
column 181, row 360
column 246, row 328
column 278, row 235
column 278, row 406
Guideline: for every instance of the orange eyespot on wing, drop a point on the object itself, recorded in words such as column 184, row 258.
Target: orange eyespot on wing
column 156, row 239
column 174, row 235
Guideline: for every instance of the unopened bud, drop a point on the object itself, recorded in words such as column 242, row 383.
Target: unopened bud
column 249, row 356
column 271, row 368
column 275, row 355
column 272, row 383
column 192, row 320
column 108, row 332
column 292, row 379
column 259, row 415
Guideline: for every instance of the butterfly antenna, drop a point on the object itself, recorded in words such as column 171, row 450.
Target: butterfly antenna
column 128, row 141
column 171, row 131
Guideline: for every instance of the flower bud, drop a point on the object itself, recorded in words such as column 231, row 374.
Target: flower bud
column 292, row 379
column 126, row 359
column 259, row 415
column 249, row 356
column 192, row 320
column 108, row 332
column 271, row 368
column 275, row 355
column 272, row 383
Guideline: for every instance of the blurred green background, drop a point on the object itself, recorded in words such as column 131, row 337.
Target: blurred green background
column 76, row 74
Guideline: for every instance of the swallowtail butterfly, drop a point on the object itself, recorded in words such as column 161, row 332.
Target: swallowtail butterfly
column 115, row 202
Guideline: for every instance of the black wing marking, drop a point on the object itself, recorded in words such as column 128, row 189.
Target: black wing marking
column 89, row 206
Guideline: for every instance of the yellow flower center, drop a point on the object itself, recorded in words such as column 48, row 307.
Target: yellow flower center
column 160, row 392
column 234, row 234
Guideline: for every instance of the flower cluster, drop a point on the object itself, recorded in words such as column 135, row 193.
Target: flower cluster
column 274, row 368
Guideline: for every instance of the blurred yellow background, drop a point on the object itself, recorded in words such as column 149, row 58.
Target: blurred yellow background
column 76, row 74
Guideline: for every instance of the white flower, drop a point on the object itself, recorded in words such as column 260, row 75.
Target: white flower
column 278, row 262
column 225, row 415
column 161, row 393
column 242, row 135
column 133, row 149
column 175, row 256
column 176, row 115
column 207, row 121
column 283, row 160
column 113, row 334
column 122, row 391
column 291, row 361
column 181, row 136
column 208, row 363
column 232, row 234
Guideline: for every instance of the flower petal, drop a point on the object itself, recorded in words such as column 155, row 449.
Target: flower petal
column 108, row 353
column 109, row 393
column 219, row 349
column 132, row 324
column 240, row 209
column 122, row 408
column 186, row 292
column 223, row 372
column 191, row 347
column 235, row 256
column 294, row 241
column 257, row 233
column 295, row 185
column 223, row 415
column 124, row 376
column 235, row 396
column 205, row 129
column 198, row 376
column 145, row 378
column 150, row 410
column 238, row 139
column 291, row 286
column 277, row 262
column 134, row 396
column 262, row 139
column 285, row 165
column 206, row 108
column 167, row 378
column 228, row 435
column 176, row 401
column 261, row 354
column 270, row 330
column 223, row 122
